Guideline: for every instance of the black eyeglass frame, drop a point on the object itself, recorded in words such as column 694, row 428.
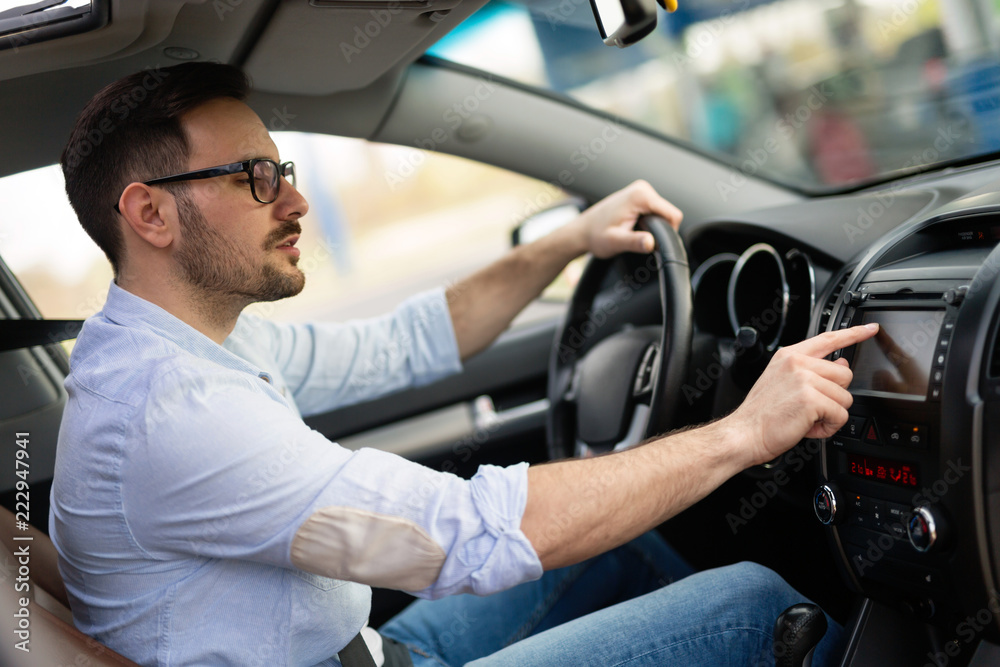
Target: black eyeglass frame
column 284, row 170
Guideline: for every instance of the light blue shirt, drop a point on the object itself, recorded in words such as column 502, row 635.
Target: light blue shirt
column 184, row 471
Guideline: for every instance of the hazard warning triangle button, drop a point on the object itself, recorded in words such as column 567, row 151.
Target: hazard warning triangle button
column 871, row 434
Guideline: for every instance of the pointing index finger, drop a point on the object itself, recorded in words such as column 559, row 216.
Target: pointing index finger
column 825, row 343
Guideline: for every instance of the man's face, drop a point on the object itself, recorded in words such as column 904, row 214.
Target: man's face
column 230, row 244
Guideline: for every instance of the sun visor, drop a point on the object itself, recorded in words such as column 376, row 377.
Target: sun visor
column 327, row 46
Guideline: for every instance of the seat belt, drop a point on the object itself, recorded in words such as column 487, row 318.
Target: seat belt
column 356, row 653
column 17, row 334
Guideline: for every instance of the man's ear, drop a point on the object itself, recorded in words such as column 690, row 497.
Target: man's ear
column 151, row 213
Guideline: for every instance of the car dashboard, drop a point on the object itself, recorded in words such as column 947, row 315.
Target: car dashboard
column 909, row 489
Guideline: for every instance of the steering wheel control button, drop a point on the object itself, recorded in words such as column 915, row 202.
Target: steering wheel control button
column 645, row 376
column 825, row 505
column 871, row 434
column 922, row 529
column 939, row 359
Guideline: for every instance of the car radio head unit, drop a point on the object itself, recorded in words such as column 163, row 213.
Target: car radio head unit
column 897, row 362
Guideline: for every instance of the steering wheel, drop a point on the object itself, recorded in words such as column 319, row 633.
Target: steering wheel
column 609, row 390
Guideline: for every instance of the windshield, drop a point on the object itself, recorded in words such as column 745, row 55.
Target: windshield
column 817, row 95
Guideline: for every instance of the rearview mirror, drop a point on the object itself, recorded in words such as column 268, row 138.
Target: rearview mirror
column 624, row 22
column 547, row 221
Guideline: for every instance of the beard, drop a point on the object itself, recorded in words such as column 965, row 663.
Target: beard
column 214, row 265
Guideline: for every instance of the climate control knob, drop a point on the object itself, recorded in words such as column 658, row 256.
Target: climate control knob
column 925, row 529
column 825, row 504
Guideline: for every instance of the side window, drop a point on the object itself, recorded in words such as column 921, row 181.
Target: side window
column 388, row 221
column 42, row 243
column 384, row 222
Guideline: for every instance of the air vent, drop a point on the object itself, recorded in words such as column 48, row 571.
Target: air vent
column 905, row 296
column 831, row 303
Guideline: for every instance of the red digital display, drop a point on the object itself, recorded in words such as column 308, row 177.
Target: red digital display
column 882, row 470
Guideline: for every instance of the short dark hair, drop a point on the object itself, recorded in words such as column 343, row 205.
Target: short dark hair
column 130, row 131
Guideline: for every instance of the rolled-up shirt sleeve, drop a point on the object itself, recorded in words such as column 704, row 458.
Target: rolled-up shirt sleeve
column 244, row 478
column 331, row 365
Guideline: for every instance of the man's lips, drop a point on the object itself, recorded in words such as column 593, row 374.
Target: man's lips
column 288, row 246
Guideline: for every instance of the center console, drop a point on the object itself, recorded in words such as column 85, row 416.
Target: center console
column 906, row 486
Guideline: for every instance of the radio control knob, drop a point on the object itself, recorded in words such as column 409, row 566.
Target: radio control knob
column 925, row 529
column 825, row 504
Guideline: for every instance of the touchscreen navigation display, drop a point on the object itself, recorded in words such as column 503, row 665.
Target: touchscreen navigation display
column 896, row 362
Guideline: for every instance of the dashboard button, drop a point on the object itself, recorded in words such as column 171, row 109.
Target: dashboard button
column 871, row 434
column 896, row 511
column 877, row 512
column 908, row 435
column 936, row 392
column 939, row 359
column 914, row 435
column 861, row 512
column 943, row 343
column 897, row 516
column 853, row 427
column 937, row 375
column 948, row 326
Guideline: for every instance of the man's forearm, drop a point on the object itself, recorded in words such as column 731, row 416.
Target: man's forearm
column 583, row 507
column 484, row 304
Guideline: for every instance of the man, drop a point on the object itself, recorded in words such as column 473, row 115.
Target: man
column 199, row 521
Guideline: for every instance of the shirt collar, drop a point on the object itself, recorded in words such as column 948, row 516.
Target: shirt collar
column 129, row 310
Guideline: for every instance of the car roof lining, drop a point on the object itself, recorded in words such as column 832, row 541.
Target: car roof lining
column 303, row 47
column 293, row 51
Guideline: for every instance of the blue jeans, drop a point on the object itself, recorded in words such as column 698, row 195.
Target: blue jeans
column 615, row 609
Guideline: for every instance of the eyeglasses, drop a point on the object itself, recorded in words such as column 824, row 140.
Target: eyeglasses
column 265, row 177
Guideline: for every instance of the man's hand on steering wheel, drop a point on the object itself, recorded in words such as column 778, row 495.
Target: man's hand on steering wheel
column 607, row 227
